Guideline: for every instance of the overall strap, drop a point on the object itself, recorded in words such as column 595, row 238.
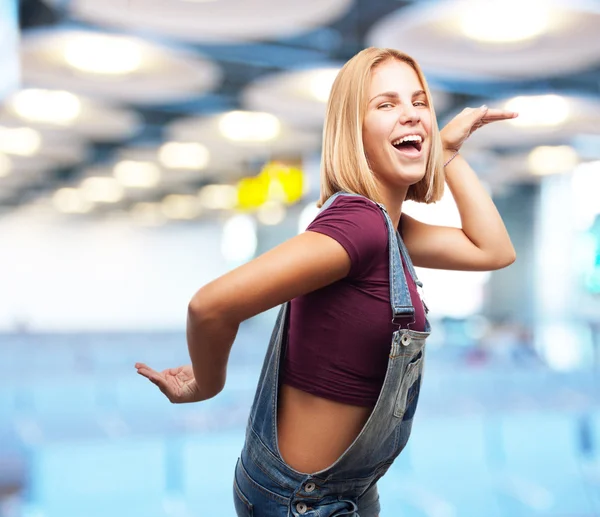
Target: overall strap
column 408, row 261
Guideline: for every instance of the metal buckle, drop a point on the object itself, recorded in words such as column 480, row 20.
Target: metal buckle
column 404, row 316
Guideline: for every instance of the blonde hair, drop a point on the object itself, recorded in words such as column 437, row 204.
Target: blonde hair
column 344, row 165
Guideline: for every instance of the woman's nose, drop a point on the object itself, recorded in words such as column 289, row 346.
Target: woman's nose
column 409, row 115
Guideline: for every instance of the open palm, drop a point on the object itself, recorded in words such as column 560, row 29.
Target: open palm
column 469, row 120
column 178, row 384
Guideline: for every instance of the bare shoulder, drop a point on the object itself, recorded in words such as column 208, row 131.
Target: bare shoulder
column 302, row 264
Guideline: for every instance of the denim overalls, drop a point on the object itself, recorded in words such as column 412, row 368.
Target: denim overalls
column 265, row 486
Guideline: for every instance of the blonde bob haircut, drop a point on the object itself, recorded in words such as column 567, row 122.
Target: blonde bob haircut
column 344, row 165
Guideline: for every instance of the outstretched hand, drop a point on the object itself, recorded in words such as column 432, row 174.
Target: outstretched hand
column 467, row 121
column 178, row 384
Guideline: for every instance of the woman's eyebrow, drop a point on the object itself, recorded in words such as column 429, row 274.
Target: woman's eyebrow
column 389, row 95
column 394, row 95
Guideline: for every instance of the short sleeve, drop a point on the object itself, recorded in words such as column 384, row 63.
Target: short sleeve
column 358, row 225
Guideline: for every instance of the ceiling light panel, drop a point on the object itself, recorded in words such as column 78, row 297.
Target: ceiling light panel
column 219, row 20
column 123, row 68
column 471, row 39
column 61, row 110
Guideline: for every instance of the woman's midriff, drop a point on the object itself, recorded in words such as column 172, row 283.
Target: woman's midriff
column 314, row 432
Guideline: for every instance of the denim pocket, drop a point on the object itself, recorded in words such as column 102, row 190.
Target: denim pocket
column 243, row 507
column 410, row 377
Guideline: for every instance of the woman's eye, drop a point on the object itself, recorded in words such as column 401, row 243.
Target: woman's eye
column 420, row 103
column 386, row 105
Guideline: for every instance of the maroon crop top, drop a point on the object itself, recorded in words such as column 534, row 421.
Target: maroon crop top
column 339, row 337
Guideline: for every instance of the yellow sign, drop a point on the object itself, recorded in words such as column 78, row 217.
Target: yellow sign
column 276, row 182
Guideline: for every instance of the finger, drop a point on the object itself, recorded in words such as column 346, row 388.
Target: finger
column 142, row 366
column 500, row 112
column 477, row 114
column 147, row 375
column 469, row 110
column 500, row 115
column 144, row 374
column 498, row 118
column 150, row 374
column 491, row 121
column 145, row 370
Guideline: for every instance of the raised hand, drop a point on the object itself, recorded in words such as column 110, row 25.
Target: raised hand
column 467, row 121
column 178, row 384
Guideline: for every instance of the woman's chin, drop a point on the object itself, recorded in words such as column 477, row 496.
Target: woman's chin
column 403, row 177
column 410, row 175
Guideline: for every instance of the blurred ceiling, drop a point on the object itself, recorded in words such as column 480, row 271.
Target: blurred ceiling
column 111, row 88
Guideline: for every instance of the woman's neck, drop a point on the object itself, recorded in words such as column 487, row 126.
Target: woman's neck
column 392, row 200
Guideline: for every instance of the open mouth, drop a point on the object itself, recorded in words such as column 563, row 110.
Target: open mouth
column 409, row 144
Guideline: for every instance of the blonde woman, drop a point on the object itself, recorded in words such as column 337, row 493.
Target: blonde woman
column 340, row 383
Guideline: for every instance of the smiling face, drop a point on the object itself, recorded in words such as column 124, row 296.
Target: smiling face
column 397, row 125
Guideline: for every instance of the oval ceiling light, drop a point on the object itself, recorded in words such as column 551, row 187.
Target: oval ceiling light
column 218, row 197
column 102, row 189
column 60, row 110
column 513, row 20
column 180, row 206
column 539, row 110
column 37, row 105
column 248, row 126
column 545, row 160
column 184, row 155
column 22, row 141
column 71, row 201
column 103, row 54
column 112, row 67
column 226, row 21
column 538, row 40
column 136, row 174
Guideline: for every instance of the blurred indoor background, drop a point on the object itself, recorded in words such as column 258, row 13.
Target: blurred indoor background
column 148, row 146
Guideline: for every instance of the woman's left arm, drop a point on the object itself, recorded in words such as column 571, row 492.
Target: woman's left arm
column 482, row 244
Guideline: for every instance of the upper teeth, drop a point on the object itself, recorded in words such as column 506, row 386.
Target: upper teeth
column 408, row 138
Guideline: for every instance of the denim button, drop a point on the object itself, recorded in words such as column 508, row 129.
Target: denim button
column 301, row 507
column 309, row 487
column 406, row 340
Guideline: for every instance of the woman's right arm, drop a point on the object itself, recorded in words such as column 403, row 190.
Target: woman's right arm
column 300, row 265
